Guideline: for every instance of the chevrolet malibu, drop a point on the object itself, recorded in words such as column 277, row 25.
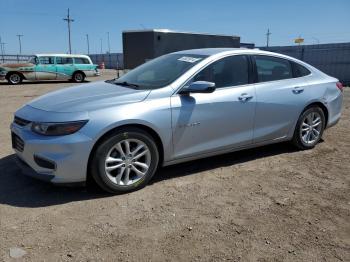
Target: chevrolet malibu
column 178, row 107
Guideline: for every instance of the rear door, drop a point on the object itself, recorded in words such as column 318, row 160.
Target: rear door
column 279, row 98
column 46, row 68
column 65, row 67
column 220, row 120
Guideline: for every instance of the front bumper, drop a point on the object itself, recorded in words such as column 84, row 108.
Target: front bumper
column 27, row 170
column 92, row 73
column 69, row 154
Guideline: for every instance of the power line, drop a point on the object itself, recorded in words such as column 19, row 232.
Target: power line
column 69, row 21
column 20, row 43
column 268, row 37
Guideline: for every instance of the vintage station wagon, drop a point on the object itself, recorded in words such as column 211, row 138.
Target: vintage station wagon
column 50, row 67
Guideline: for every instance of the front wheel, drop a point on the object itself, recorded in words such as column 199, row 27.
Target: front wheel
column 14, row 79
column 309, row 128
column 125, row 161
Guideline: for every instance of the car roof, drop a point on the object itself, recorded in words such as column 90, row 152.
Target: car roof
column 64, row 55
column 218, row 51
column 210, row 52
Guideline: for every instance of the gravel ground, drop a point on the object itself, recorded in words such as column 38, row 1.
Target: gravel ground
column 267, row 204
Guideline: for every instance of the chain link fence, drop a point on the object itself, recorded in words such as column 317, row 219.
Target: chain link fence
column 333, row 59
column 14, row 58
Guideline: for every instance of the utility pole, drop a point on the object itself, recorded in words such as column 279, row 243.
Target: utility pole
column 101, row 46
column 268, row 37
column 3, row 48
column 2, row 51
column 20, row 43
column 88, row 44
column 109, row 44
column 69, row 21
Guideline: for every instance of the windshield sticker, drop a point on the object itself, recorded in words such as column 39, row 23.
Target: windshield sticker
column 189, row 59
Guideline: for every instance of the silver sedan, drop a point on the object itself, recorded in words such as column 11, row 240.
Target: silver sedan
column 178, row 107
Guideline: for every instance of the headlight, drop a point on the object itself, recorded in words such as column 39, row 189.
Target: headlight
column 57, row 129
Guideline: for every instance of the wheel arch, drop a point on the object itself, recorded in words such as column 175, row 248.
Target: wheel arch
column 79, row 71
column 323, row 108
column 110, row 132
column 12, row 72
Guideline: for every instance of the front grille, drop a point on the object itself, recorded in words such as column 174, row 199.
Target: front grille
column 17, row 142
column 20, row 121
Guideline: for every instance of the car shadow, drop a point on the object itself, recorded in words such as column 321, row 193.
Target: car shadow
column 223, row 160
column 41, row 83
column 19, row 190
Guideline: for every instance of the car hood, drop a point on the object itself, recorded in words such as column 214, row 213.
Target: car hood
column 87, row 97
column 16, row 65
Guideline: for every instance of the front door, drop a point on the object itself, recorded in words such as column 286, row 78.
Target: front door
column 224, row 119
column 46, row 68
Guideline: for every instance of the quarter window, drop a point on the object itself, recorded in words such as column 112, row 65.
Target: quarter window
column 228, row 71
column 81, row 60
column 46, row 60
column 64, row 60
column 299, row 70
column 272, row 68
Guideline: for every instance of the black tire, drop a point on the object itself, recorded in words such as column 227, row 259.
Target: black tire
column 78, row 77
column 14, row 78
column 97, row 166
column 298, row 141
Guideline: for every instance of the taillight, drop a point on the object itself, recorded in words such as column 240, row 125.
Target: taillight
column 340, row 86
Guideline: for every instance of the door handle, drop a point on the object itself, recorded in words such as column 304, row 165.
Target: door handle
column 298, row 90
column 244, row 97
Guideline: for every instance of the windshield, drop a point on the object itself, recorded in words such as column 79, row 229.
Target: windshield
column 160, row 71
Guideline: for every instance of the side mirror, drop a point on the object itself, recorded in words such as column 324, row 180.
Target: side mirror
column 198, row 87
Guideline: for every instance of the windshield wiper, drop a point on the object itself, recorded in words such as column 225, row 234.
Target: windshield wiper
column 126, row 84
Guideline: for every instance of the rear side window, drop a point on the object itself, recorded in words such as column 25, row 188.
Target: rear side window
column 64, row 60
column 46, row 60
column 81, row 60
column 226, row 72
column 272, row 68
column 299, row 70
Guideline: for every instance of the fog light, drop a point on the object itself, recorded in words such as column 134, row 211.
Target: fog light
column 42, row 162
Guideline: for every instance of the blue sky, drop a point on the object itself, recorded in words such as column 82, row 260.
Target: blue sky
column 326, row 21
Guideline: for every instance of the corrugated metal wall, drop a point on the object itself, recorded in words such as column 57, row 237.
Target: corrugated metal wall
column 112, row 61
column 333, row 59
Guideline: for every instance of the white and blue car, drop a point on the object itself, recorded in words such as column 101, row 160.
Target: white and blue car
column 50, row 67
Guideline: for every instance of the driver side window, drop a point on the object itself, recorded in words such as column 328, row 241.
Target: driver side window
column 226, row 72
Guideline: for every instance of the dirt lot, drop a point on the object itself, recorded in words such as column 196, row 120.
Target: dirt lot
column 268, row 204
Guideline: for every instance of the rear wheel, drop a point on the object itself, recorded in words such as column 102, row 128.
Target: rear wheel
column 14, row 78
column 78, row 77
column 125, row 161
column 309, row 128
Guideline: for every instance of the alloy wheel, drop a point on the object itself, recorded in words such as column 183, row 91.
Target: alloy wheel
column 311, row 127
column 127, row 162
